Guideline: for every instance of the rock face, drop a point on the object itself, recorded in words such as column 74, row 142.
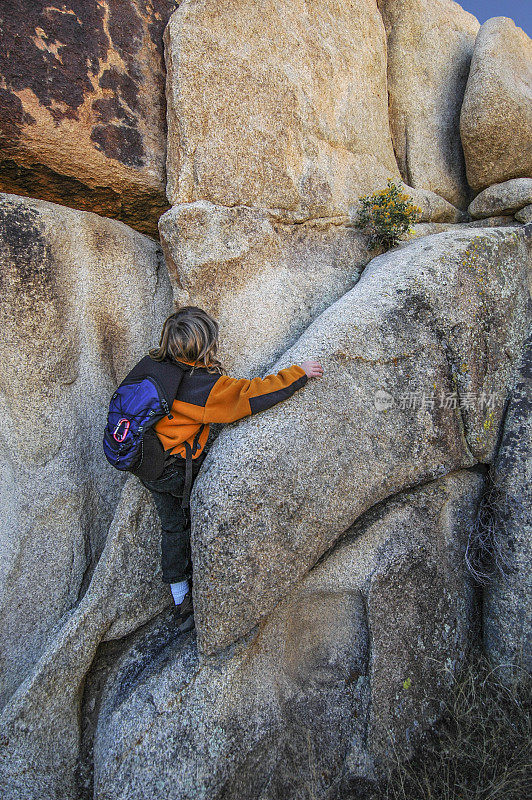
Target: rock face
column 429, row 47
column 309, row 699
column 525, row 214
column 40, row 744
column 272, row 138
column 83, row 116
column 507, row 621
column 496, row 116
column 292, row 116
column 502, row 198
column 395, row 349
column 263, row 280
column 330, row 533
column 83, row 297
column 426, row 228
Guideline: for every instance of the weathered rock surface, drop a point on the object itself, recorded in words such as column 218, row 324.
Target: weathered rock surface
column 331, row 592
column 272, row 139
column 507, row 618
column 502, row 198
column 429, row 48
column 496, row 116
column 433, row 207
column 292, row 116
column 39, row 747
column 83, row 110
column 406, row 556
column 524, row 214
column 262, row 279
column 83, row 296
column 444, row 314
column 307, row 700
column 427, row 228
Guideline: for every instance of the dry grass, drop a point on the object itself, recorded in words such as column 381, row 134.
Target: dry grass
column 480, row 751
column 487, row 554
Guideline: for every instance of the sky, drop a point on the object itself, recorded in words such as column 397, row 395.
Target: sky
column 518, row 10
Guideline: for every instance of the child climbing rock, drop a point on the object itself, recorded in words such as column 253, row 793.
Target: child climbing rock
column 205, row 394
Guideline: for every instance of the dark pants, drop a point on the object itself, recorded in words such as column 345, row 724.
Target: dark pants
column 167, row 492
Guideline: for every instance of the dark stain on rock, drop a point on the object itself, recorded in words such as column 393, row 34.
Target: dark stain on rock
column 12, row 118
column 27, row 271
column 107, row 109
column 154, row 644
column 141, row 210
column 112, row 339
column 158, row 22
column 119, row 142
column 58, row 52
column 52, row 51
column 125, row 26
column 514, row 437
column 123, row 86
column 419, row 307
column 34, row 315
column 118, row 136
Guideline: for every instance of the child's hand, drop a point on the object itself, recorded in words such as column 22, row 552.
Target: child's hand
column 312, row 368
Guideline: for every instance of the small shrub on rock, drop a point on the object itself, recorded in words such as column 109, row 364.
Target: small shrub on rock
column 386, row 215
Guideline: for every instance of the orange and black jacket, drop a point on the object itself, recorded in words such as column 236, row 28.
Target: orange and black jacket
column 204, row 397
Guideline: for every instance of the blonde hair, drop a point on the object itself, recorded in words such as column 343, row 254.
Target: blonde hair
column 190, row 334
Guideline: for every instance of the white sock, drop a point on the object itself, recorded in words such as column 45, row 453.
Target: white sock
column 179, row 590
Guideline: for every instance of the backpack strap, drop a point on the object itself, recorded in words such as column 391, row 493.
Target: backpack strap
column 167, row 373
column 188, row 467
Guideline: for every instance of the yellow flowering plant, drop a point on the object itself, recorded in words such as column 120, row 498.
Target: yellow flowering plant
column 386, row 215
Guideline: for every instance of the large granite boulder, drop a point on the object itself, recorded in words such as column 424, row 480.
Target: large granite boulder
column 429, row 47
column 283, row 106
column 82, row 118
column 496, row 116
column 40, row 725
column 262, row 279
column 426, row 228
column 315, row 697
column 502, row 198
column 417, row 358
column 84, row 297
column 273, row 136
column 507, row 617
column 524, row 214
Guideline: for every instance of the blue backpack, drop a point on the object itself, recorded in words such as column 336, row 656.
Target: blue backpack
column 143, row 398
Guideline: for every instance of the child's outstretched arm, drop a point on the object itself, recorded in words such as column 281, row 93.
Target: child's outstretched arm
column 233, row 398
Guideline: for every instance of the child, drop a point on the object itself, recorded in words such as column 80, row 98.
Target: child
column 205, row 395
